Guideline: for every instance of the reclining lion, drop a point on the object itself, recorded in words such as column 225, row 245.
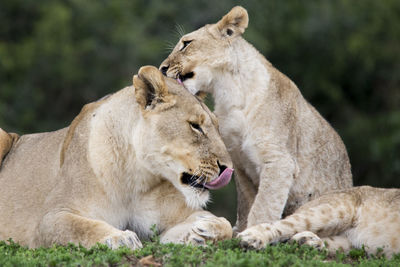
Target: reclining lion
column 285, row 154
column 145, row 155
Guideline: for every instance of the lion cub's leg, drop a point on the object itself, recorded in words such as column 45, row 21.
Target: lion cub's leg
column 198, row 228
column 6, row 142
column 64, row 227
column 246, row 192
column 275, row 181
column 329, row 215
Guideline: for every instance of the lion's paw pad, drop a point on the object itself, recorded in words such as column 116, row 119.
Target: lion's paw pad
column 252, row 239
column 195, row 239
column 308, row 238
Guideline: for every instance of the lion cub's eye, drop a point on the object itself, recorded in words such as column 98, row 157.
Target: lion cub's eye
column 185, row 44
column 196, row 127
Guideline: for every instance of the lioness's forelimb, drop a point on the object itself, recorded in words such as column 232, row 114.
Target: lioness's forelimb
column 64, row 227
column 198, row 228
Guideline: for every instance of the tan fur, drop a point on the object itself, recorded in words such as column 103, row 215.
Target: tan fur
column 284, row 152
column 358, row 216
column 6, row 142
column 71, row 129
column 116, row 171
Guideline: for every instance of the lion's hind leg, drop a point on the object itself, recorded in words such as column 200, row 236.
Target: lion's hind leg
column 6, row 142
column 63, row 227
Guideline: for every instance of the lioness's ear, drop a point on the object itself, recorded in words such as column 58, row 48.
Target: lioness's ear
column 149, row 86
column 234, row 23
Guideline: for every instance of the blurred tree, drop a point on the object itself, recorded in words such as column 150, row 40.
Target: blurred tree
column 56, row 55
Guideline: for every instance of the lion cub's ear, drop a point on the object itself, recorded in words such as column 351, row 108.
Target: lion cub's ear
column 150, row 87
column 234, row 23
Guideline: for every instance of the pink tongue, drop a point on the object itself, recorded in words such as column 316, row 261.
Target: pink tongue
column 221, row 181
column 179, row 81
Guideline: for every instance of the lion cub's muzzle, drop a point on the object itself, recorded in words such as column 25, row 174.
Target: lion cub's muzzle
column 176, row 73
column 203, row 179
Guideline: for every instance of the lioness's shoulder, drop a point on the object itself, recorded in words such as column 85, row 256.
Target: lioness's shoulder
column 86, row 109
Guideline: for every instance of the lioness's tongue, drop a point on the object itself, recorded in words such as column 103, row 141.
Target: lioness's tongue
column 221, row 181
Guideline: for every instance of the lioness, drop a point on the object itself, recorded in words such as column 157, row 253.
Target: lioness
column 145, row 155
column 345, row 219
column 284, row 152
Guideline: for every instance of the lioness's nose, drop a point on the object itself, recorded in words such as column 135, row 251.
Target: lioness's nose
column 221, row 167
column 164, row 69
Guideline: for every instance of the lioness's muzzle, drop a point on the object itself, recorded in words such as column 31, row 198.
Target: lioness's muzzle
column 222, row 180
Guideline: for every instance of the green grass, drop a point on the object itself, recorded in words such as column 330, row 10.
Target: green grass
column 226, row 253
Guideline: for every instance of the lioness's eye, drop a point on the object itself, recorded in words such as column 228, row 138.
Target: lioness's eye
column 196, row 127
column 185, row 43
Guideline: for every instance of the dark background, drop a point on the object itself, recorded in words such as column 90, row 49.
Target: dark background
column 55, row 56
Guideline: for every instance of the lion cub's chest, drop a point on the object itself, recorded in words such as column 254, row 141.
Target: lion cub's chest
column 240, row 143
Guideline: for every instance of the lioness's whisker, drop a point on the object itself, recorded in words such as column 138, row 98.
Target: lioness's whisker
column 169, row 46
column 180, row 31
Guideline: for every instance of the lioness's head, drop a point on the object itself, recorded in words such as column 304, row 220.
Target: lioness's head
column 201, row 56
column 182, row 143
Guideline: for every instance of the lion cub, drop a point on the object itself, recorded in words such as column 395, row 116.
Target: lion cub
column 344, row 219
column 284, row 152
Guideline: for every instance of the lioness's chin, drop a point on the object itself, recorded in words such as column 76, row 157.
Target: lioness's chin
column 194, row 190
column 195, row 197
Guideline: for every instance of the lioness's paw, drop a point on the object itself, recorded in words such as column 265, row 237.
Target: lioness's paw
column 213, row 228
column 308, row 238
column 256, row 237
column 194, row 239
column 209, row 228
column 123, row 239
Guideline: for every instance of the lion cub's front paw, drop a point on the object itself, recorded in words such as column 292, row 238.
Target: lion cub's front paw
column 308, row 238
column 123, row 239
column 209, row 228
column 256, row 237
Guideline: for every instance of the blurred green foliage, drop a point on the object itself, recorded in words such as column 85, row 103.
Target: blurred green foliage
column 56, row 55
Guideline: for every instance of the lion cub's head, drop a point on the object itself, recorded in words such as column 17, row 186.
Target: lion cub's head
column 180, row 135
column 202, row 55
